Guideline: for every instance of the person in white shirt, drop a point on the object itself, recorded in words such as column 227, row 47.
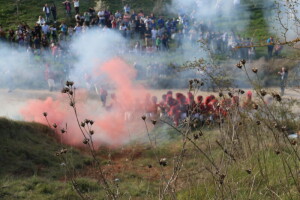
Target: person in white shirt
column 41, row 20
column 154, row 35
column 101, row 15
column 126, row 9
column 76, row 6
column 47, row 11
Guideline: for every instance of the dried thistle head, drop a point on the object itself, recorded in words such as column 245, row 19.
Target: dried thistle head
column 69, row 83
column 91, row 132
column 230, row 94
column 196, row 81
column 254, row 70
column 144, row 117
column 82, row 124
column 258, row 123
column 45, row 114
column 163, row 162
column 221, row 94
column 72, row 103
column 263, row 92
column 71, row 92
column 243, row 61
column 241, row 91
column 87, row 121
column 239, row 65
column 65, row 90
column 255, row 106
column 196, row 136
column 54, row 125
column 221, row 178
column 276, row 96
column 191, row 82
column 62, row 130
column 85, row 141
column 63, row 151
column 91, row 122
column 154, row 122
column 249, row 171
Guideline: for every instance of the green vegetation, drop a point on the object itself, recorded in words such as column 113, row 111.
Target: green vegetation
column 28, row 149
column 129, row 168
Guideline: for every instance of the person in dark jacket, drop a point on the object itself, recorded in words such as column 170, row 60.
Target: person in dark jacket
column 53, row 12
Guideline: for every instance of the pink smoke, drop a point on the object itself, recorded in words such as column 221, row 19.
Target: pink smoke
column 110, row 126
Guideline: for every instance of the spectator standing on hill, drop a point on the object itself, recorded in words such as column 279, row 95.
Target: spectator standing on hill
column 41, row 20
column 76, row 6
column 53, row 12
column 101, row 15
column 64, row 28
column 87, row 18
column 46, row 29
column 126, row 9
column 158, row 43
column 67, row 7
column 118, row 14
column 77, row 28
column 283, row 79
column 49, row 76
column 148, row 37
column 47, row 11
column 270, row 43
column 153, row 34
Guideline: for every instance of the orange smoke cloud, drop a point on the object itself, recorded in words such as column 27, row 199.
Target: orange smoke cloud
column 110, row 126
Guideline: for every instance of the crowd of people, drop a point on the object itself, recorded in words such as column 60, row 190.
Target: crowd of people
column 179, row 106
column 148, row 32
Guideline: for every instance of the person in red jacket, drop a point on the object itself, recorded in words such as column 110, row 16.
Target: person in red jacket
column 191, row 105
column 248, row 103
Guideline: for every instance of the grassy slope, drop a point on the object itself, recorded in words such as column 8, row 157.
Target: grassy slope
column 137, row 181
column 27, row 149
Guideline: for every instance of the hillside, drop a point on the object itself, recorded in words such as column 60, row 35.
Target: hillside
column 134, row 169
column 28, row 149
column 14, row 12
